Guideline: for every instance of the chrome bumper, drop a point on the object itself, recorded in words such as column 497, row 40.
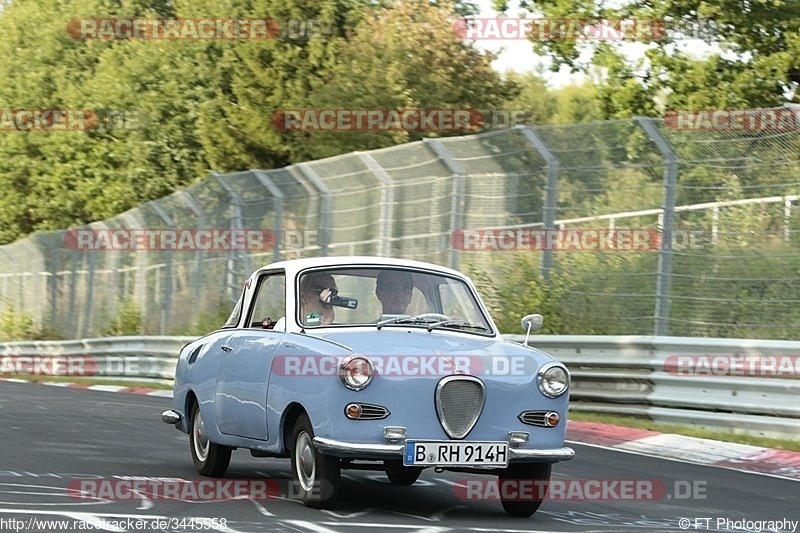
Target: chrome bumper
column 356, row 450
column 170, row 417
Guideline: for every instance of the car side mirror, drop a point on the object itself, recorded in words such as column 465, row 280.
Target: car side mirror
column 530, row 323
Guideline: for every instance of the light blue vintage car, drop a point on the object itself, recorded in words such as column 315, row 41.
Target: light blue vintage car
column 365, row 362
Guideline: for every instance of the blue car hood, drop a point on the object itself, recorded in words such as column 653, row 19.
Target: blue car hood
column 394, row 341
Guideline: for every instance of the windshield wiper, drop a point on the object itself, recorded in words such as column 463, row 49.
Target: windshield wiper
column 432, row 322
column 458, row 324
column 404, row 320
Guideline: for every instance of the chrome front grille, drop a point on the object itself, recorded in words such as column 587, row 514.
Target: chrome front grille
column 459, row 402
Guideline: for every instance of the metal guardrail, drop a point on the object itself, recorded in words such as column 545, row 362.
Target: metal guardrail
column 610, row 374
column 110, row 357
column 634, row 375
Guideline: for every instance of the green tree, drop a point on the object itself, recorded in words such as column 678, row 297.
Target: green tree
column 569, row 104
column 404, row 56
column 753, row 60
column 199, row 105
column 51, row 180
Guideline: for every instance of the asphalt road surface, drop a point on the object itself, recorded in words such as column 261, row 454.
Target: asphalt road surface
column 53, row 438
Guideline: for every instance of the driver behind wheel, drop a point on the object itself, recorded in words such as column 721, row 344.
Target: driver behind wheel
column 394, row 288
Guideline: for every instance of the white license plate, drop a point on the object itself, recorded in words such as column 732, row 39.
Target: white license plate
column 455, row 453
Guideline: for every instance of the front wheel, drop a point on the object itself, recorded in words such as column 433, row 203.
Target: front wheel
column 209, row 459
column 515, row 480
column 316, row 476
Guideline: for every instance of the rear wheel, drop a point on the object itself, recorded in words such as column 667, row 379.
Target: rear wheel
column 401, row 475
column 209, row 459
column 316, row 476
column 527, row 499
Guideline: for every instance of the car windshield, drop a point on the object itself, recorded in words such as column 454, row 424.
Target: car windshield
column 386, row 297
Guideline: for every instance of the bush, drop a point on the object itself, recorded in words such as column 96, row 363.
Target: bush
column 515, row 288
column 127, row 322
column 16, row 326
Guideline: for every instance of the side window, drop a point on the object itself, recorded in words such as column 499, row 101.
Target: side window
column 270, row 301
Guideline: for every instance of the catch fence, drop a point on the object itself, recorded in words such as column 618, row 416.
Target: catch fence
column 720, row 256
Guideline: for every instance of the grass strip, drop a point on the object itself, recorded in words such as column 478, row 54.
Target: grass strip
column 689, row 431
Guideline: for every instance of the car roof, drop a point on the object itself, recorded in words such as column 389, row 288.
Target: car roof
column 296, row 265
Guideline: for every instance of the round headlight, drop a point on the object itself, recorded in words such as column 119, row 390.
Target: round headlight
column 553, row 380
column 356, row 372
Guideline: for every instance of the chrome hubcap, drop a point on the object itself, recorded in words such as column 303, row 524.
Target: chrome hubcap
column 201, row 444
column 304, row 461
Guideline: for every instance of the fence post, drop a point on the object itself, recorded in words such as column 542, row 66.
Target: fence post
column 232, row 264
column 87, row 304
column 5, row 290
column 386, row 216
column 277, row 208
column 196, row 282
column 324, row 207
column 787, row 214
column 166, row 289
column 664, row 275
column 457, row 198
column 131, row 219
column 552, row 168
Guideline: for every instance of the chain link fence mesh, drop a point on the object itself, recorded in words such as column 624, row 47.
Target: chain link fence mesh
column 730, row 267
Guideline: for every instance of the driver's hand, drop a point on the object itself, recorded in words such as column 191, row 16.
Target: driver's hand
column 325, row 296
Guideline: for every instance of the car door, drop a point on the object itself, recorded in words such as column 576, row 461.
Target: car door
column 245, row 359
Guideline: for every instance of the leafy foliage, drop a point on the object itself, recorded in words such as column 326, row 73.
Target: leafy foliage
column 18, row 326
column 752, row 60
column 198, row 105
column 128, row 320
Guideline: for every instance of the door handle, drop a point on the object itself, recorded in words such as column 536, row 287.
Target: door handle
column 226, row 348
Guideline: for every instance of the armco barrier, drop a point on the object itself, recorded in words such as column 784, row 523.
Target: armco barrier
column 610, row 374
column 628, row 375
column 110, row 357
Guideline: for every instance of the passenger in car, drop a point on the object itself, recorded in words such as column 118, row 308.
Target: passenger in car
column 394, row 288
